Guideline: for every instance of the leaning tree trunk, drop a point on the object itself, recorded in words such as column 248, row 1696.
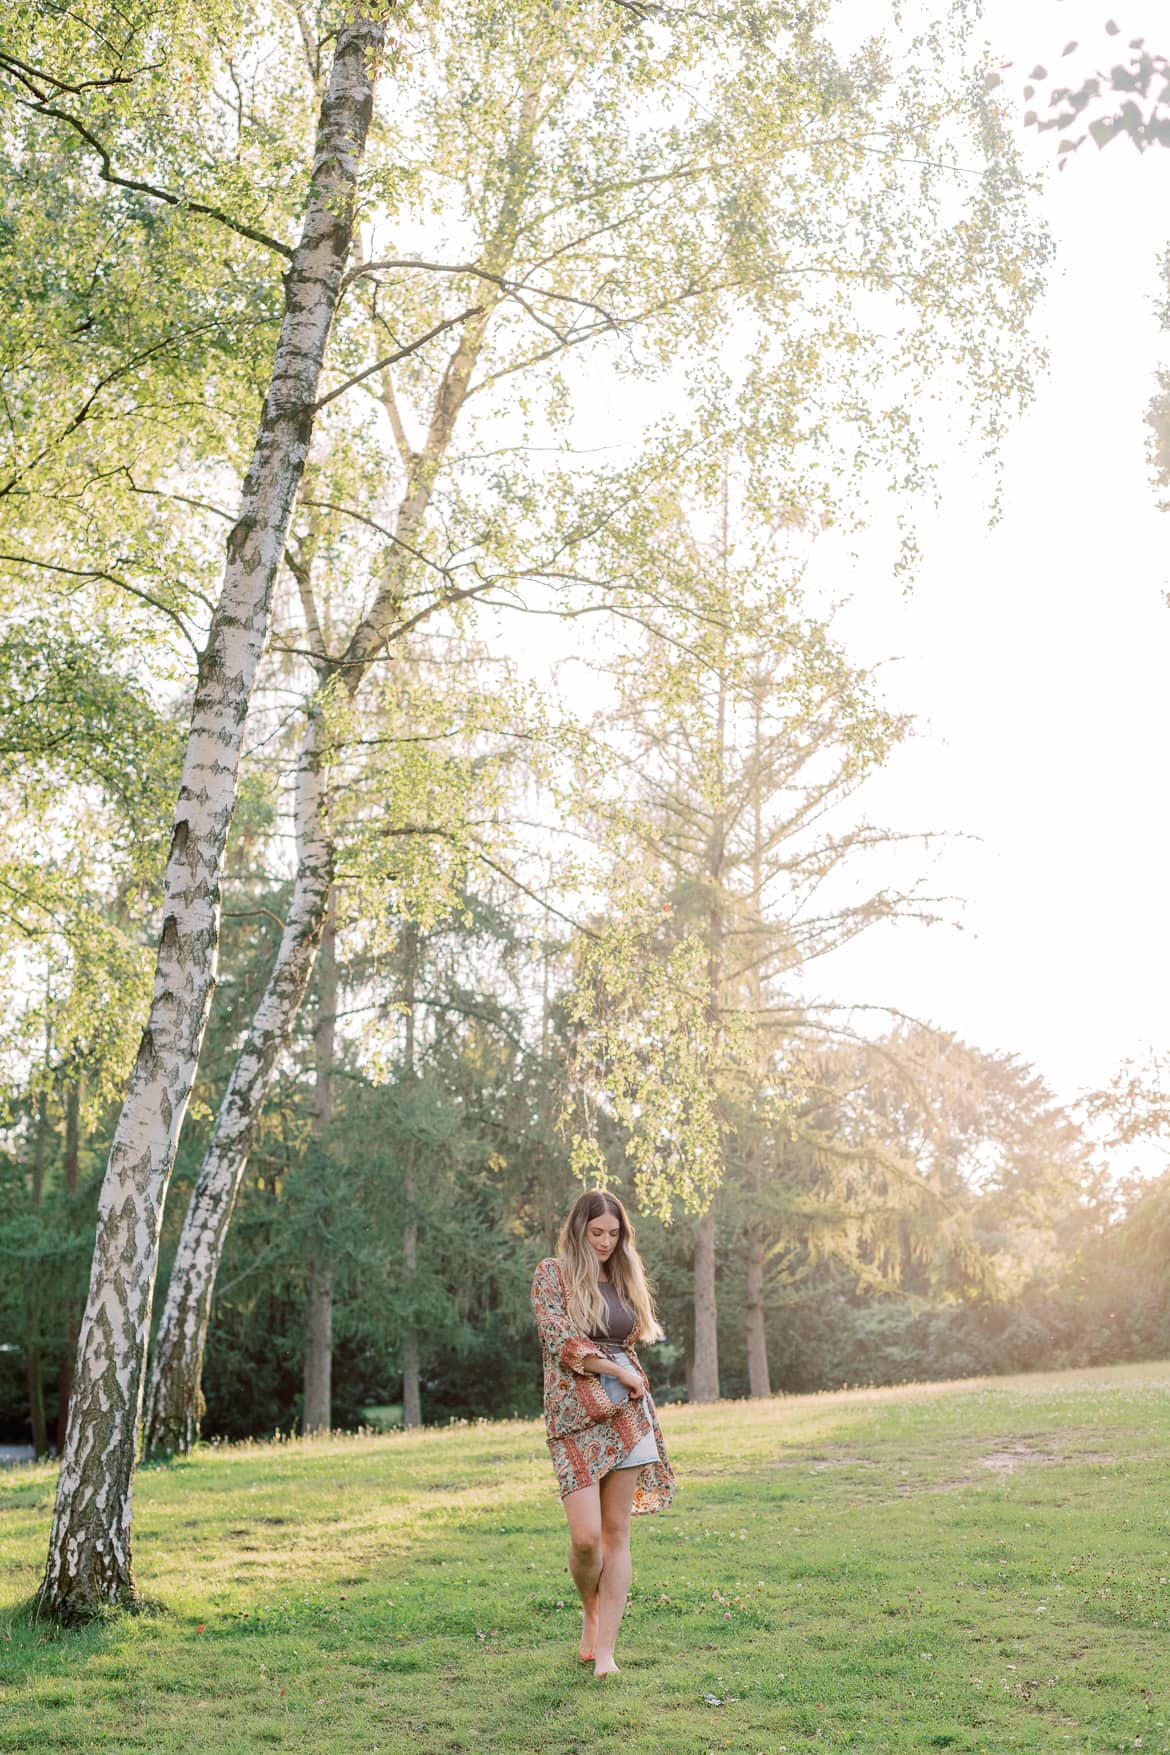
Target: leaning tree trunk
column 89, row 1559
column 175, row 1399
column 317, row 1404
column 706, row 1358
column 759, row 1382
column 174, row 1395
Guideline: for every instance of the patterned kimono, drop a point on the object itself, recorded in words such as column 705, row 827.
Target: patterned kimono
column 588, row 1434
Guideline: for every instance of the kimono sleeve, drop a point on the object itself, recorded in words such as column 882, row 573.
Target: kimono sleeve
column 557, row 1333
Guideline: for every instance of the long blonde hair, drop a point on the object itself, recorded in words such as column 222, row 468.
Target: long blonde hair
column 587, row 1307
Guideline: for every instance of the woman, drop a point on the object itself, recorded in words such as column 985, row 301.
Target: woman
column 592, row 1302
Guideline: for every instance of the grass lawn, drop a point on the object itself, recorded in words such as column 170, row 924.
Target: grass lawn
column 967, row 1566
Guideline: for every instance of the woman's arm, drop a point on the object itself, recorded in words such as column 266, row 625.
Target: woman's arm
column 600, row 1366
column 567, row 1345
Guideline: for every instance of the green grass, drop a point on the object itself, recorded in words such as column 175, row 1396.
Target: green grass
column 973, row 1566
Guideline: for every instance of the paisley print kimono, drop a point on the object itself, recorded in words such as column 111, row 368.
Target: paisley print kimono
column 588, row 1434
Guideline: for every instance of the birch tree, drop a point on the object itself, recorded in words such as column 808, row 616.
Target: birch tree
column 89, row 1561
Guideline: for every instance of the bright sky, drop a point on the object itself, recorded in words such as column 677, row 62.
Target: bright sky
column 1035, row 655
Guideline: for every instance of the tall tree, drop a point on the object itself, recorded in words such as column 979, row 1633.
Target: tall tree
column 173, row 1403
column 740, row 752
column 89, row 1560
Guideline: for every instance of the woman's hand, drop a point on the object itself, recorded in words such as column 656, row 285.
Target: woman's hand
column 627, row 1375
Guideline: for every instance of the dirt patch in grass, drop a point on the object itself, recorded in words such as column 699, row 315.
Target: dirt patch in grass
column 1042, row 1449
column 1010, row 1457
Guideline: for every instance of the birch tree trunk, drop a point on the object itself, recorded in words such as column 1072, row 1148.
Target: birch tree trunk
column 89, row 1559
column 175, row 1398
column 759, row 1382
column 705, row 1380
column 376, row 627
column 317, row 1405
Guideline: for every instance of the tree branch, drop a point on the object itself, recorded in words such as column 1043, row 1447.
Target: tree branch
column 108, row 175
column 393, row 358
column 96, row 573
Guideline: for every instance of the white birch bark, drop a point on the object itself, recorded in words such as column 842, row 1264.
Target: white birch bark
column 89, row 1559
column 376, row 628
column 175, row 1397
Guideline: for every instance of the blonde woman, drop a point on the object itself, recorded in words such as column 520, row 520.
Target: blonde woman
column 592, row 1302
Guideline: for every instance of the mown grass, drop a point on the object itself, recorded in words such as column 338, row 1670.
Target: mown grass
column 972, row 1566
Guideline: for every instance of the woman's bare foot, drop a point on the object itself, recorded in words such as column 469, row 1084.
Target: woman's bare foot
column 605, row 1666
column 588, row 1634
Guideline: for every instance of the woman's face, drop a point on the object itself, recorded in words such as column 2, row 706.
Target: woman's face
column 601, row 1234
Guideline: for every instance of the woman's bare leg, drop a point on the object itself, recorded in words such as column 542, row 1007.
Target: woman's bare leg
column 617, row 1499
column 583, row 1510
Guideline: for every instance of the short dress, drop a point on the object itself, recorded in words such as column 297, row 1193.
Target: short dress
column 594, row 1425
column 619, row 1328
